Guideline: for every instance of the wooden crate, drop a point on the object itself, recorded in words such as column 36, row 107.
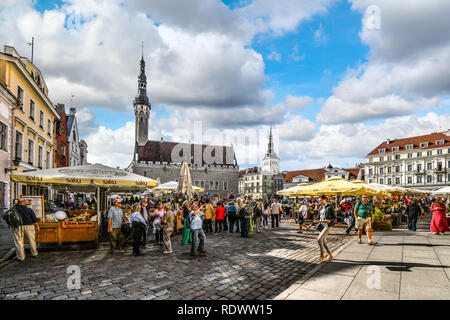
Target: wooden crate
column 382, row 225
column 48, row 233
column 78, row 231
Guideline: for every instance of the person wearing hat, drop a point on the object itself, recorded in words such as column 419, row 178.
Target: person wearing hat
column 115, row 220
column 28, row 229
column 168, row 223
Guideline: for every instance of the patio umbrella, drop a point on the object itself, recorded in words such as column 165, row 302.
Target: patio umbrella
column 335, row 187
column 381, row 191
column 172, row 186
column 185, row 182
column 394, row 190
column 292, row 190
column 442, row 191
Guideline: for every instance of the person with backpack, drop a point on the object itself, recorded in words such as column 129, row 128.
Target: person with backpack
column 364, row 218
column 232, row 216
column 325, row 220
column 28, row 228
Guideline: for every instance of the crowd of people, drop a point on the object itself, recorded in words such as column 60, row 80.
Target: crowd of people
column 156, row 220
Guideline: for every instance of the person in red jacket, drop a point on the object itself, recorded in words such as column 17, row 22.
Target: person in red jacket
column 220, row 218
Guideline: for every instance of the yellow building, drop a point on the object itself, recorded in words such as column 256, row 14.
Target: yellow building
column 34, row 120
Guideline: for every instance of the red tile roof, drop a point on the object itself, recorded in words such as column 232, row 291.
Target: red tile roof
column 415, row 141
column 312, row 174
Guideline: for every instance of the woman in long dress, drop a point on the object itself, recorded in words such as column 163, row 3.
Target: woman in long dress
column 439, row 222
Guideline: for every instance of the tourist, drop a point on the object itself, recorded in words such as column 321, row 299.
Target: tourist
column 275, row 209
column 301, row 216
column 413, row 212
column 144, row 212
column 350, row 219
column 245, row 214
column 439, row 224
column 139, row 226
column 195, row 218
column 168, row 223
column 208, row 217
column 258, row 213
column 364, row 218
column 325, row 220
column 232, row 216
column 225, row 219
column 239, row 219
column 115, row 220
column 266, row 213
column 187, row 234
column 28, row 229
column 219, row 216
column 158, row 214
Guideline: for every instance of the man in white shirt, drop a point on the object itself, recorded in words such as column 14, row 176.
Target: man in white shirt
column 275, row 209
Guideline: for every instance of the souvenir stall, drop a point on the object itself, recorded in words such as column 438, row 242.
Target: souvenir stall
column 83, row 224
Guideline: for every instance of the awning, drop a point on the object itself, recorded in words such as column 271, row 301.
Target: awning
column 172, row 186
column 86, row 175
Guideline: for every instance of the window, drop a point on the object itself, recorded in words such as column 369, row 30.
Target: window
column 41, row 120
column 439, row 177
column 47, row 163
column 381, row 170
column 397, row 157
column 370, row 171
column 395, row 148
column 397, row 168
column 32, row 110
column 49, row 127
column 381, row 158
column 429, row 153
column 389, row 169
column 439, row 152
column 20, row 97
column 397, row 180
column 18, row 146
column 40, row 157
column 448, row 164
column 429, row 166
column 389, row 181
column 202, row 184
column 370, row 160
column 419, row 167
column 410, row 167
column 424, row 144
column 389, row 158
column 439, row 142
column 211, row 185
column 409, row 155
column 429, row 179
column 3, row 137
column 439, row 166
column 409, row 146
column 381, row 181
column 383, row 150
column 225, row 185
column 370, row 181
column 419, row 154
column 409, row 180
column 63, row 150
column 30, row 151
column 419, row 179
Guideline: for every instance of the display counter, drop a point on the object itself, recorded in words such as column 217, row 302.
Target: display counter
column 67, row 232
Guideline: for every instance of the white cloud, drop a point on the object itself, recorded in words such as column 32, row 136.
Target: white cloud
column 274, row 56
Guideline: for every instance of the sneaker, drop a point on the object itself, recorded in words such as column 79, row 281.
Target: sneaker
column 18, row 260
column 36, row 256
column 194, row 254
column 167, row 252
column 203, row 251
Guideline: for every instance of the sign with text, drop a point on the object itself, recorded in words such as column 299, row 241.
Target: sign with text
column 37, row 205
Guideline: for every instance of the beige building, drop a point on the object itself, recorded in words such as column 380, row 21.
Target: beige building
column 34, row 119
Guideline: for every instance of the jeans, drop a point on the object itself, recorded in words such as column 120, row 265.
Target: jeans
column 275, row 220
column 159, row 236
column 258, row 223
column 219, row 225
column 138, row 232
column 196, row 235
column 322, row 240
column 245, row 227
column 265, row 220
column 207, row 225
column 412, row 222
column 232, row 223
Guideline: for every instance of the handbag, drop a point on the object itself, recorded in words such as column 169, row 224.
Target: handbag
column 320, row 227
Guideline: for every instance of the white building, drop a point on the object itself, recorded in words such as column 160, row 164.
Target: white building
column 73, row 139
column 420, row 162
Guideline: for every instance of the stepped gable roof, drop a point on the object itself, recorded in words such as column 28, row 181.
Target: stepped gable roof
column 415, row 141
column 157, row 151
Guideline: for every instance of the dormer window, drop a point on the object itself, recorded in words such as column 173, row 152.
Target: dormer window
column 383, row 150
column 424, row 144
column 439, row 142
column 395, row 148
column 409, row 146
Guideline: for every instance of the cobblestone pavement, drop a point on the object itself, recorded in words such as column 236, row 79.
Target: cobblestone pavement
column 6, row 237
column 260, row 267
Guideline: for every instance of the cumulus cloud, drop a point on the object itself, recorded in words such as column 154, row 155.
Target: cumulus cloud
column 407, row 69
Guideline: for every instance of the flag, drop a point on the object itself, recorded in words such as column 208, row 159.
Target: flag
column 208, row 195
column 228, row 195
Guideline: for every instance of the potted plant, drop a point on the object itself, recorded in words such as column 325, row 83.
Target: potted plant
column 380, row 222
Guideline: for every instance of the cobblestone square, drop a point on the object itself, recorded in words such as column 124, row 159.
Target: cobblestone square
column 260, row 267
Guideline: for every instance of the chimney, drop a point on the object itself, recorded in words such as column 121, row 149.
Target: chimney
column 162, row 139
column 388, row 141
column 61, row 109
column 73, row 111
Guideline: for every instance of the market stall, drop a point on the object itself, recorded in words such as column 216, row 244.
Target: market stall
column 83, row 224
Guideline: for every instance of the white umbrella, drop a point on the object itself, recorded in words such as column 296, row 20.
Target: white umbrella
column 185, row 183
column 172, row 186
column 442, row 191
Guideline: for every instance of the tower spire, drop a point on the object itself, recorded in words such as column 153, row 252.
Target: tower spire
column 142, row 105
column 270, row 146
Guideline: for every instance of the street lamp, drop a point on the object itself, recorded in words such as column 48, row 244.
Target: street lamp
column 16, row 163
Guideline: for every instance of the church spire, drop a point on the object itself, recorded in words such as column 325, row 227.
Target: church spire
column 270, row 146
column 142, row 105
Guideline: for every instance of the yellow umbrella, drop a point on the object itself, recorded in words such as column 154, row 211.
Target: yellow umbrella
column 336, row 186
column 381, row 191
column 292, row 190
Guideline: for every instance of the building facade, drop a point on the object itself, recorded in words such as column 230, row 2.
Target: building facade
column 421, row 162
column 8, row 102
column 61, row 143
column 73, row 139
column 33, row 119
column 213, row 168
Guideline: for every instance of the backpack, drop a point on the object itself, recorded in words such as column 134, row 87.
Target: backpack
column 13, row 218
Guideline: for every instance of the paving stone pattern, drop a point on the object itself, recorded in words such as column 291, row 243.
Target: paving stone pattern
column 260, row 267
